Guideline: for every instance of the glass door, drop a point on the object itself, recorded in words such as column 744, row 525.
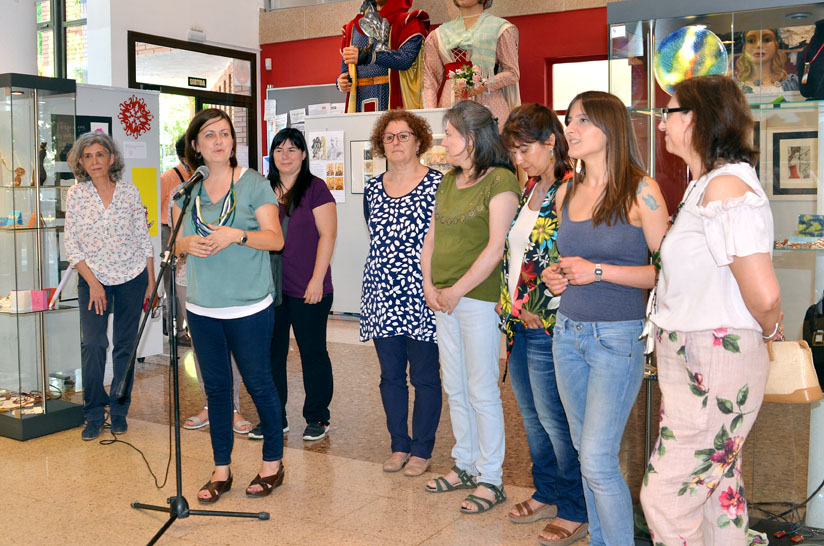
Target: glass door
column 194, row 76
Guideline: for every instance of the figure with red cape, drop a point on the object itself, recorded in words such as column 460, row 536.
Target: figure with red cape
column 382, row 80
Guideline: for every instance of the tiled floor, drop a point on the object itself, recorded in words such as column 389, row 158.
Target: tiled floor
column 61, row 490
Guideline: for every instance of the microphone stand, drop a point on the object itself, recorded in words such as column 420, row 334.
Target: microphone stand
column 178, row 506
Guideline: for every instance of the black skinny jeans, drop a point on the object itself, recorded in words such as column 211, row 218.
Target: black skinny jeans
column 309, row 324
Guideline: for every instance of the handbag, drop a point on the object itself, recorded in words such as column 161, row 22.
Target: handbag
column 792, row 378
column 276, row 260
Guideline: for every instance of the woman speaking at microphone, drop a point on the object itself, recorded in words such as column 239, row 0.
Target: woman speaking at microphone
column 227, row 233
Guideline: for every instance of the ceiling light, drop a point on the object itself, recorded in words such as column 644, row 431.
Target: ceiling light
column 798, row 15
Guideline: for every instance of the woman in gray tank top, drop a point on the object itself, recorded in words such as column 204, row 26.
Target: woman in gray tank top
column 611, row 215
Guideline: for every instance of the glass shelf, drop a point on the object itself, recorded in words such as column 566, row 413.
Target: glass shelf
column 800, row 249
column 41, row 228
column 59, row 307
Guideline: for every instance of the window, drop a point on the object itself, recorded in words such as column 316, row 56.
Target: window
column 62, row 49
column 570, row 76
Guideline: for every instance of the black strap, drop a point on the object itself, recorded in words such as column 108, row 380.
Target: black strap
column 182, row 178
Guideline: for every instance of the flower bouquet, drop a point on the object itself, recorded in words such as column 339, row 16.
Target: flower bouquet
column 465, row 79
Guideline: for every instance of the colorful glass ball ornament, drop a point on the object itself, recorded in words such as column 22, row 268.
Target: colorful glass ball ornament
column 689, row 52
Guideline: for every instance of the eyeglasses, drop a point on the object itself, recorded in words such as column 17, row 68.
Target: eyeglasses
column 403, row 136
column 667, row 111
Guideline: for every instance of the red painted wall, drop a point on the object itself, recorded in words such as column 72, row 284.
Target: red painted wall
column 579, row 33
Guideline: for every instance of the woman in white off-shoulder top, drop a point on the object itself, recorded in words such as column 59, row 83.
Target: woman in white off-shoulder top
column 716, row 304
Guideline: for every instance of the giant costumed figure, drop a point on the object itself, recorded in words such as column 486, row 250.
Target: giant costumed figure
column 479, row 39
column 382, row 50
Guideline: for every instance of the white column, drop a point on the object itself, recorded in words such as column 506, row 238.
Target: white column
column 18, row 37
column 99, row 33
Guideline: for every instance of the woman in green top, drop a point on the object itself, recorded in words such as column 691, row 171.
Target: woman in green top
column 474, row 207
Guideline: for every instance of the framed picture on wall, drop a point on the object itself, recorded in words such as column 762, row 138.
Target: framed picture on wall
column 794, row 156
column 365, row 165
column 435, row 157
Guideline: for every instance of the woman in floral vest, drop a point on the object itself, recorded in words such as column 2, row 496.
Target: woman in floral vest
column 536, row 140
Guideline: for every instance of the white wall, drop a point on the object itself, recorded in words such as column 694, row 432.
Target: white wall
column 18, row 37
column 231, row 24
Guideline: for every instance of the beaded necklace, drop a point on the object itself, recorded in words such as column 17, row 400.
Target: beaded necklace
column 227, row 211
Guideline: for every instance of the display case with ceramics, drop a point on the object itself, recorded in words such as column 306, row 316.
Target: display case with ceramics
column 39, row 343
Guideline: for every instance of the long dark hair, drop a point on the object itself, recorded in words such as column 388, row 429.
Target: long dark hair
column 477, row 125
column 625, row 169
column 530, row 123
column 290, row 199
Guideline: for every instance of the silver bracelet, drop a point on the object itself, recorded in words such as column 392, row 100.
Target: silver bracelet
column 773, row 333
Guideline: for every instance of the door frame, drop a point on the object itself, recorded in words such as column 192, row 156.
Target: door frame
column 201, row 95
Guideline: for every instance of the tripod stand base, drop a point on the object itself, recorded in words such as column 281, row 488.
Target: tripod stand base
column 179, row 508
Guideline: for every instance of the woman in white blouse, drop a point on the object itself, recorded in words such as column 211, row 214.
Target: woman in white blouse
column 107, row 241
column 716, row 304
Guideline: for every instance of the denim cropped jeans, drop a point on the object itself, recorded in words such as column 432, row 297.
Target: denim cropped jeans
column 555, row 469
column 599, row 366
column 249, row 339
column 469, row 344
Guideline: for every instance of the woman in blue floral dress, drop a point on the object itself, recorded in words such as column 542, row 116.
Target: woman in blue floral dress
column 398, row 208
column 716, row 304
column 536, row 140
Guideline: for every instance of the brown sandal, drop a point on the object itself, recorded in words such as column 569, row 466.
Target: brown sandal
column 565, row 537
column 527, row 515
column 215, row 489
column 268, row 483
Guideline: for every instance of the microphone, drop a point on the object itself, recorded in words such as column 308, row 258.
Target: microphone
column 202, row 173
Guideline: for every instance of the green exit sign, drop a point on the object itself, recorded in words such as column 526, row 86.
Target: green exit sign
column 197, row 82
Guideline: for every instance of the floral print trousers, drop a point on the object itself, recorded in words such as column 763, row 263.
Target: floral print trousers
column 712, row 385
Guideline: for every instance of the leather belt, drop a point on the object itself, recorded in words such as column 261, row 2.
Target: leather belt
column 377, row 80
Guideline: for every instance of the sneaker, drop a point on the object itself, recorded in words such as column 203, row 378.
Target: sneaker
column 315, row 431
column 119, row 425
column 257, row 433
column 91, row 430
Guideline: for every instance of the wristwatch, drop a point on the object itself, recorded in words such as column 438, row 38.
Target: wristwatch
column 243, row 239
column 598, row 272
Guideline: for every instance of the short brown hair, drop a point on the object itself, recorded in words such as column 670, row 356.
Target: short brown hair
column 530, row 123
column 624, row 167
column 194, row 159
column 85, row 140
column 721, row 121
column 419, row 126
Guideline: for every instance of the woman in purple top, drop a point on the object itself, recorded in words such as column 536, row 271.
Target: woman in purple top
column 307, row 278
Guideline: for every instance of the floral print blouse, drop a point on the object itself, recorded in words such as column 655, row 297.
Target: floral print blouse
column 541, row 252
column 114, row 241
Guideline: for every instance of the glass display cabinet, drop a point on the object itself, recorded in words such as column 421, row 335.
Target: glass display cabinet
column 775, row 51
column 766, row 50
column 39, row 347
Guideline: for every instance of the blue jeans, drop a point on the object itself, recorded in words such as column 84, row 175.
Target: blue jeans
column 600, row 366
column 125, row 301
column 555, row 470
column 469, row 344
column 393, row 354
column 249, row 340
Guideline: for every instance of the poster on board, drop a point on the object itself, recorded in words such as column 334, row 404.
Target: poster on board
column 326, row 160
